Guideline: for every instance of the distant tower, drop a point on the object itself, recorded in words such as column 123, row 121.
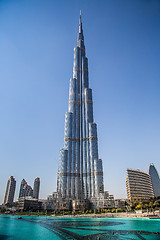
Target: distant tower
column 21, row 192
column 80, row 173
column 36, row 188
column 25, row 189
column 10, row 190
column 155, row 179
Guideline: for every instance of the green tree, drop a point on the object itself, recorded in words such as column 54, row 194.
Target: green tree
column 145, row 205
column 96, row 211
column 119, row 210
column 90, row 211
column 113, row 210
column 155, row 204
column 151, row 205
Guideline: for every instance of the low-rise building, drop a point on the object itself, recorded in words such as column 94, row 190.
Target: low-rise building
column 28, row 204
column 120, row 203
column 50, row 203
column 105, row 200
column 109, row 201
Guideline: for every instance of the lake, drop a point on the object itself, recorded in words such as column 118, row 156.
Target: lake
column 40, row 228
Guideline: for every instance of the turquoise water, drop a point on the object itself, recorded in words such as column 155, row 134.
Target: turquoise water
column 12, row 228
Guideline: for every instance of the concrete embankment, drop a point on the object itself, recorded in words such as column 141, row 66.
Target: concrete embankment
column 115, row 215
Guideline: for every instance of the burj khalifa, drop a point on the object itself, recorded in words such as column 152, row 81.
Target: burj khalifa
column 80, row 171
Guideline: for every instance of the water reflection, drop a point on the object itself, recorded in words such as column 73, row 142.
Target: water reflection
column 98, row 228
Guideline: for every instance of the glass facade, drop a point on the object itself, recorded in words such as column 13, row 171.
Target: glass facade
column 155, row 180
column 80, row 174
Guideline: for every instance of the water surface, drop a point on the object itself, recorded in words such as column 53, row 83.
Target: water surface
column 42, row 228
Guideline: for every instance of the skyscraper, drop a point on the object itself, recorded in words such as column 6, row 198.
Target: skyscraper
column 25, row 189
column 155, row 179
column 36, row 188
column 80, row 173
column 21, row 191
column 10, row 190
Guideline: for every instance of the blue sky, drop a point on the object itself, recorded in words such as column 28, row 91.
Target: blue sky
column 37, row 38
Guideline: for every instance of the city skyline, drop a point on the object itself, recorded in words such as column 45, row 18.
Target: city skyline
column 36, row 42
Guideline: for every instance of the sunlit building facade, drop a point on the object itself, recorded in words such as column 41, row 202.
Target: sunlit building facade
column 25, row 189
column 10, row 190
column 139, row 186
column 80, row 173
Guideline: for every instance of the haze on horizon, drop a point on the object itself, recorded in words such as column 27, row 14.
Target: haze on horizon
column 36, row 44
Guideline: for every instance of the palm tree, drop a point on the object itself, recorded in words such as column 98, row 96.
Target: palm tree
column 151, row 205
column 155, row 204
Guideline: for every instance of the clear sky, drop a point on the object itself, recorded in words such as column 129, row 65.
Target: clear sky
column 37, row 38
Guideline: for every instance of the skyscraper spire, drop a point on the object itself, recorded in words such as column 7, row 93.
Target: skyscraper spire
column 80, row 32
column 80, row 174
column 80, row 17
column 80, row 23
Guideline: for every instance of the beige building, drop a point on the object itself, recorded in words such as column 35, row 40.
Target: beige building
column 10, row 190
column 139, row 186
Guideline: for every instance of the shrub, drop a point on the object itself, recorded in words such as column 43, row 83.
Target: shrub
column 119, row 210
column 113, row 210
column 96, row 211
column 108, row 210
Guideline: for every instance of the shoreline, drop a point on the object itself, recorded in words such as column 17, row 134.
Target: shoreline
column 113, row 215
column 144, row 215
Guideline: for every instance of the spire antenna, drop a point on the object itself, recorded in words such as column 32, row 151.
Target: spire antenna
column 80, row 23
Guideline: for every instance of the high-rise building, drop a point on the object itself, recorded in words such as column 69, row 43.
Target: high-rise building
column 36, row 188
column 10, row 190
column 21, row 191
column 80, row 173
column 25, row 189
column 152, row 171
column 139, row 186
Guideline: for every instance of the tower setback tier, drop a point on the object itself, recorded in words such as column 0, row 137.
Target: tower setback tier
column 80, row 174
